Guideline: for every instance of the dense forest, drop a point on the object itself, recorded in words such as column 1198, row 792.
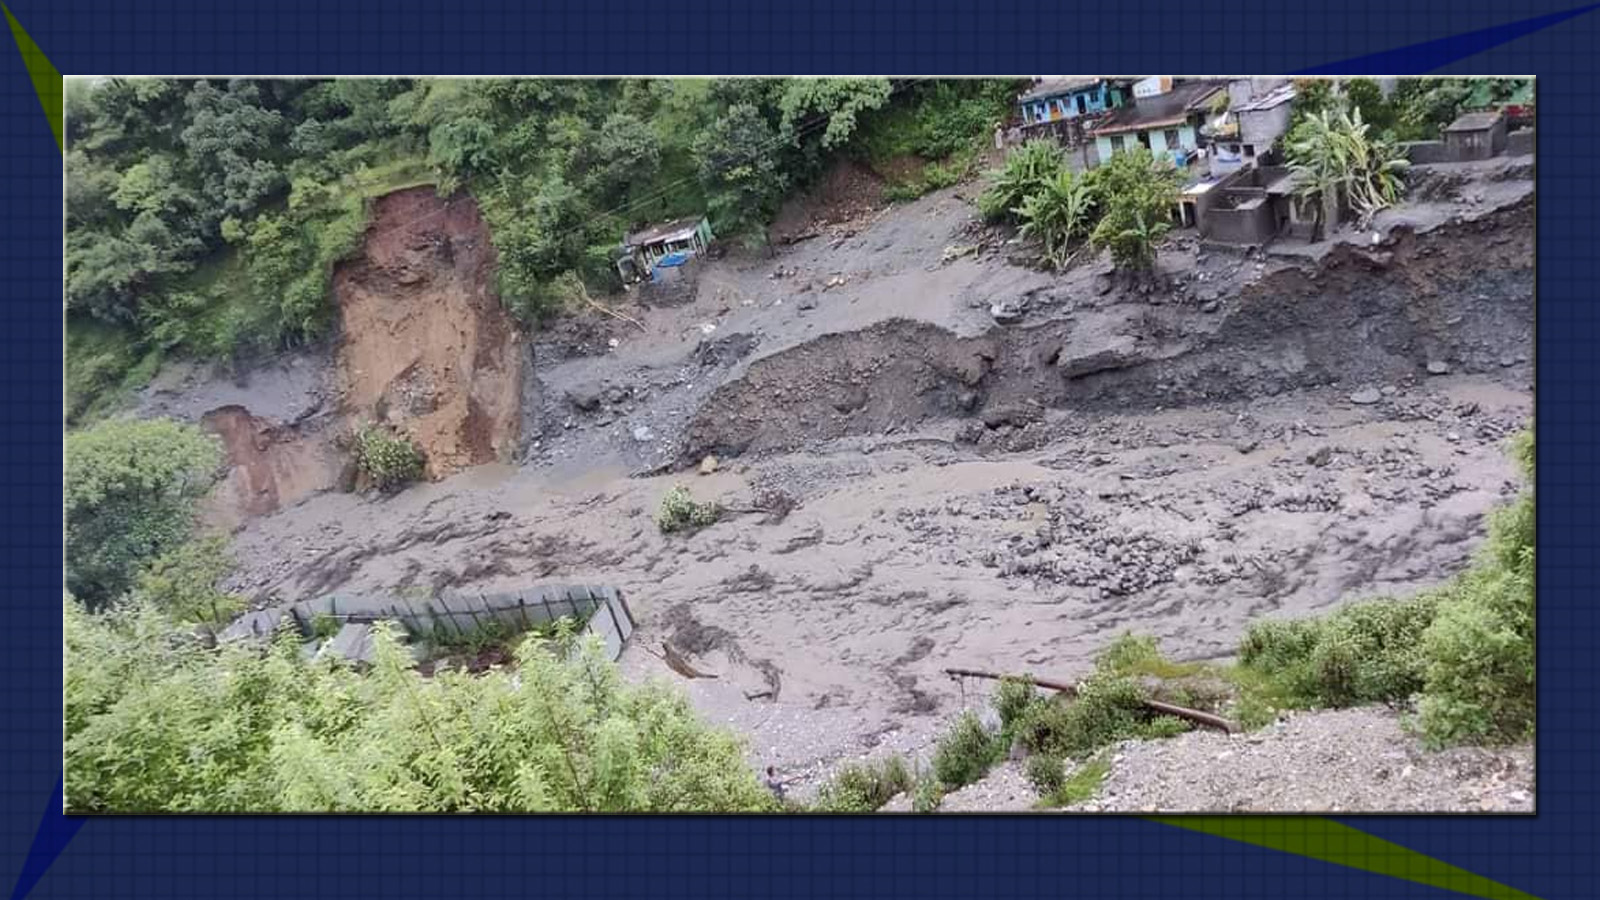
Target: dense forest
column 204, row 217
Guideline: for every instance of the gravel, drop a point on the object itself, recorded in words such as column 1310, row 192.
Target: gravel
column 1352, row 760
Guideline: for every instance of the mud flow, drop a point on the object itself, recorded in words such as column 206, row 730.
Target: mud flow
column 931, row 453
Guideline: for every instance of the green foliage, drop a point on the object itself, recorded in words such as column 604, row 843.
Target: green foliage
column 1046, row 773
column 129, row 489
column 1082, row 784
column 927, row 795
column 681, row 512
column 1137, row 194
column 183, row 583
column 967, row 753
column 934, row 120
column 1364, row 95
column 864, row 786
column 1337, row 164
column 1059, row 214
column 1011, row 701
column 324, row 626
column 1027, row 170
column 1163, row 727
column 740, row 170
column 156, row 722
column 1365, row 652
column 808, row 102
column 1427, row 105
column 388, row 460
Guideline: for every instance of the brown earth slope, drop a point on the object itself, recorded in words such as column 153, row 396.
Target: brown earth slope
column 426, row 345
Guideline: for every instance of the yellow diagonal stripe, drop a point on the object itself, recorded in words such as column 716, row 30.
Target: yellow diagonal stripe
column 1332, row 842
column 46, row 80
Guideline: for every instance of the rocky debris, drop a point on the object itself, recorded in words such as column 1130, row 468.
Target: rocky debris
column 1351, row 760
column 1004, row 789
column 1119, row 355
column 708, row 465
column 1006, row 312
column 1366, row 396
column 1438, row 367
column 584, row 397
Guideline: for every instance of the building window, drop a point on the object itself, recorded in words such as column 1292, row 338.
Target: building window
column 1116, row 143
column 1171, row 135
column 1083, row 104
column 1249, row 151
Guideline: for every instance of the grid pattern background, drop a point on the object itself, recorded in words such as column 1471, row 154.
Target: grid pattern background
column 1549, row 856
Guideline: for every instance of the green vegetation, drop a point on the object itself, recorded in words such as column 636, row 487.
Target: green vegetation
column 1081, row 785
column 387, row 460
column 1046, row 773
column 967, row 753
column 864, row 786
column 204, row 217
column 1339, row 165
column 158, row 722
column 1124, row 206
column 681, row 512
column 130, row 493
column 182, row 583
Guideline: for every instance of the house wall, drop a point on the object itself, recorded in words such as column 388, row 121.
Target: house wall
column 1425, row 152
column 1052, row 109
column 1262, row 127
column 1483, row 144
column 1520, row 143
column 1158, row 141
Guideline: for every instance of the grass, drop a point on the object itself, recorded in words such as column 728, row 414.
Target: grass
column 1083, row 784
column 105, row 364
column 865, row 786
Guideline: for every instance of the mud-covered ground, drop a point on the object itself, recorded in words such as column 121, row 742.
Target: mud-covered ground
column 914, row 486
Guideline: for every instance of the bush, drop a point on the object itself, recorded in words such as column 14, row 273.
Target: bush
column 1163, row 727
column 1012, row 699
column 966, row 753
column 1046, row 773
column 864, row 787
column 1136, row 195
column 1059, row 213
column 1366, row 652
column 681, row 512
column 155, row 722
column 387, row 460
column 1026, row 172
column 927, row 795
column 130, row 490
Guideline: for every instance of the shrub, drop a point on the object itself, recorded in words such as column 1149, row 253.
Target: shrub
column 1058, row 213
column 966, row 753
column 1026, row 172
column 155, row 722
column 1162, row 727
column 681, row 512
column 1083, row 783
column 927, row 795
column 1012, row 700
column 864, row 787
column 389, row 461
column 1046, row 773
column 130, row 490
column 1136, row 196
column 1366, row 652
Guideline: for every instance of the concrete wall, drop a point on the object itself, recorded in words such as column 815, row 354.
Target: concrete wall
column 1239, row 226
column 1262, row 127
column 1425, row 152
column 1158, row 141
column 1520, row 143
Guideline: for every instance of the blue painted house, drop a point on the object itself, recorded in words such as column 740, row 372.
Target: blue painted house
column 1063, row 99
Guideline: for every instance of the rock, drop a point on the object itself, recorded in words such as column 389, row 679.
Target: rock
column 1507, row 361
column 1006, row 312
column 808, row 303
column 643, row 434
column 1210, row 306
column 1438, row 367
column 1365, row 396
column 1119, row 355
column 1320, row 457
column 708, row 465
column 584, row 397
column 1247, row 445
column 1103, row 284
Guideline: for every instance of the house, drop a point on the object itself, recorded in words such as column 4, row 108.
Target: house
column 1167, row 123
column 1257, row 115
column 1058, row 99
column 1479, row 135
column 643, row 250
column 1154, row 86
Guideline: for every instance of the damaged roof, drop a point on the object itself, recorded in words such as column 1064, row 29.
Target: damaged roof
column 675, row 230
column 1171, row 108
column 1053, row 87
column 1283, row 93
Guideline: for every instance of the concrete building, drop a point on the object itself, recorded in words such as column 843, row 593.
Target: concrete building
column 1480, row 135
column 642, row 250
column 1058, row 99
column 1166, row 123
column 1257, row 115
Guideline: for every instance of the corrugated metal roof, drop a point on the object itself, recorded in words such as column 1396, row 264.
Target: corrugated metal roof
column 1278, row 95
column 677, row 230
column 1163, row 109
column 1477, row 121
column 1056, row 86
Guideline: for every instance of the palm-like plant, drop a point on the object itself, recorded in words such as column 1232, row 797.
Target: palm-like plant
column 1335, row 161
column 1026, row 172
column 1058, row 214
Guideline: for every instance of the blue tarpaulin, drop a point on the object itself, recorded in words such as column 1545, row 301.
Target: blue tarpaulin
column 673, row 259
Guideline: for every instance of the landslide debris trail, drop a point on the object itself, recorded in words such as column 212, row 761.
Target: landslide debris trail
column 1265, row 436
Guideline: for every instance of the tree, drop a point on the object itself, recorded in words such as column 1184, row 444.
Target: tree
column 627, row 152
column 739, row 168
column 806, row 101
column 159, row 722
column 1138, row 195
column 1363, row 95
column 230, row 139
column 130, row 490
